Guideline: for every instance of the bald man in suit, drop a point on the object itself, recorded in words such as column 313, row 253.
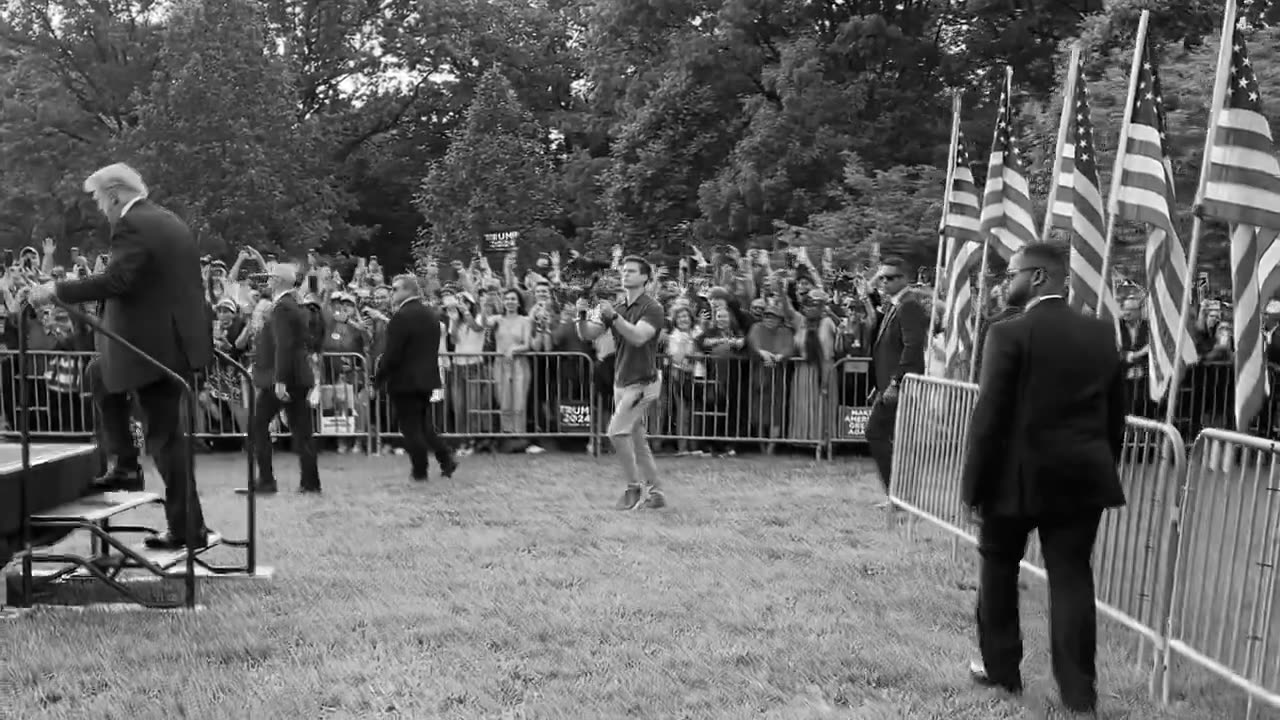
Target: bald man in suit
column 152, row 297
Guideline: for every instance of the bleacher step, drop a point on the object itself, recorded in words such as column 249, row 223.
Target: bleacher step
column 96, row 508
column 166, row 559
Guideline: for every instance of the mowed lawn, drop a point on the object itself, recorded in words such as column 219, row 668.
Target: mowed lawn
column 770, row 588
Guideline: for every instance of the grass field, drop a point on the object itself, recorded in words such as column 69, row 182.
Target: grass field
column 770, row 588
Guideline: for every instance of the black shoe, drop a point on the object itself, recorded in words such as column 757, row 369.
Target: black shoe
column 309, row 489
column 630, row 499
column 419, row 477
column 119, row 479
column 978, row 674
column 168, row 541
column 259, row 489
column 448, row 467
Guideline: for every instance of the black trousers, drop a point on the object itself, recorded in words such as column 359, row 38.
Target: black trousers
column 112, row 423
column 1067, row 543
column 298, row 413
column 880, row 425
column 413, row 415
column 170, row 447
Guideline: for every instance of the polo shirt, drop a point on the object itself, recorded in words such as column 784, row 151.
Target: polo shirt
column 638, row 364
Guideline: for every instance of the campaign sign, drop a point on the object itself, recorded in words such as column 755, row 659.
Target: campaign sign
column 501, row 242
column 853, row 422
column 575, row 416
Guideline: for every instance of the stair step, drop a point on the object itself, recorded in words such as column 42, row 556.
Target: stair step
column 96, row 508
column 166, row 559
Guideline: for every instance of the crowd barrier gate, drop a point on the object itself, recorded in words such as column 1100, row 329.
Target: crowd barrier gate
column 1223, row 606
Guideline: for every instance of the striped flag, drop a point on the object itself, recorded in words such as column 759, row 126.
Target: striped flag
column 1243, row 189
column 1077, row 207
column 1145, row 194
column 963, row 206
column 1007, row 217
column 963, row 256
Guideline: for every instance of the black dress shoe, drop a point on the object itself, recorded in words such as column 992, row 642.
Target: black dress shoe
column 308, row 490
column 447, row 469
column 418, row 477
column 168, row 541
column 119, row 479
column 978, row 674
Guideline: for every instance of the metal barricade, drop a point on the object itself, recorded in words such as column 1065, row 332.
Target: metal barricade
column 851, row 404
column 726, row 400
column 60, row 406
column 489, row 395
column 929, row 443
column 342, row 406
column 1133, row 556
column 1206, row 399
column 223, row 397
column 1225, row 584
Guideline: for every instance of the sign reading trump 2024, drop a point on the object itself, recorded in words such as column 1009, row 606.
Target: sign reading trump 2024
column 501, row 241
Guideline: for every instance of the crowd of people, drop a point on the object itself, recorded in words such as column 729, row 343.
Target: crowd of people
column 748, row 349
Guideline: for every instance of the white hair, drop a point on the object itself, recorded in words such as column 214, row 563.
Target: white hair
column 115, row 176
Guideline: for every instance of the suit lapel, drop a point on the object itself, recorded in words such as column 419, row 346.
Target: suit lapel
column 888, row 317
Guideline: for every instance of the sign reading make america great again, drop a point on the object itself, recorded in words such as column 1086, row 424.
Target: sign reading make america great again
column 502, row 241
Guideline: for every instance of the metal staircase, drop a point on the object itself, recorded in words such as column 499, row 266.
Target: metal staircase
column 112, row 561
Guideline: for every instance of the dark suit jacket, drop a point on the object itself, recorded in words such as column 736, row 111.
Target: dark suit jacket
column 1273, row 347
column 153, row 298
column 411, row 361
column 900, row 342
column 280, row 353
column 1048, row 427
column 984, row 326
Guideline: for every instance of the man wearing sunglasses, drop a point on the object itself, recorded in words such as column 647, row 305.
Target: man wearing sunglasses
column 1044, row 440
column 898, row 349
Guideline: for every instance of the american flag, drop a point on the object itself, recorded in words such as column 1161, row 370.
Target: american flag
column 1243, row 189
column 963, row 255
column 1145, row 194
column 1077, row 206
column 1006, row 201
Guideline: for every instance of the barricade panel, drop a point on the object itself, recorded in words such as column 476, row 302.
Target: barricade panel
column 490, row 395
column 1223, row 606
column 61, row 406
column 730, row 399
column 851, row 389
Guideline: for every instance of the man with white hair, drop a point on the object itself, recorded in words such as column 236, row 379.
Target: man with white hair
column 283, row 377
column 153, row 299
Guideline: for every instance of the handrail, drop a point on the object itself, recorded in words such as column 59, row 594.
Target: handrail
column 251, row 522
column 185, row 415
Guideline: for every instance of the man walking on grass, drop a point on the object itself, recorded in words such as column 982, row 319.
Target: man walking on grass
column 637, row 381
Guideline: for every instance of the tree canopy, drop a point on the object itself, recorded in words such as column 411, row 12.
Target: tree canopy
column 375, row 124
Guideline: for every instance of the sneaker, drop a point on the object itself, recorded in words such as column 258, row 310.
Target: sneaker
column 630, row 499
column 655, row 500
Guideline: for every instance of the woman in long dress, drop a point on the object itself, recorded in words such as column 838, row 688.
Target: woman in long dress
column 815, row 350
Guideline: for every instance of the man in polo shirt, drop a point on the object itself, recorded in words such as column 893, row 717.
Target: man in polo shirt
column 637, row 382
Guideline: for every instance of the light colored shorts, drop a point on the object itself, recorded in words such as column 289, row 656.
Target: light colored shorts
column 631, row 405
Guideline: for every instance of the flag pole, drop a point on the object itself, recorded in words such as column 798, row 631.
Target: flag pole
column 1193, row 250
column 980, row 302
column 1064, row 121
column 942, row 224
column 1122, row 149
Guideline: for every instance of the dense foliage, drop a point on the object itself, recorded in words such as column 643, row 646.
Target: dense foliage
column 381, row 125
